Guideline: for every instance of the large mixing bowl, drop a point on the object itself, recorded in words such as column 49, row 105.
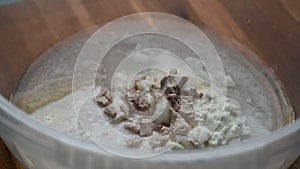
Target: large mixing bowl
column 36, row 146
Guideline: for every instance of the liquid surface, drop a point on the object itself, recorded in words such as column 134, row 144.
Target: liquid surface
column 44, row 91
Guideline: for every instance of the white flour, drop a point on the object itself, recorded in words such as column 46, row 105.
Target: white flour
column 257, row 99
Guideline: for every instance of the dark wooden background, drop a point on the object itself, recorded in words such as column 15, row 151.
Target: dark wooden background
column 271, row 28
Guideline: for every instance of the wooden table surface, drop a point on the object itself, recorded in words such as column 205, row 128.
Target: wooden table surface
column 271, row 28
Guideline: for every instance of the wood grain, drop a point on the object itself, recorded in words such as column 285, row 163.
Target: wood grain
column 6, row 160
column 270, row 28
column 292, row 6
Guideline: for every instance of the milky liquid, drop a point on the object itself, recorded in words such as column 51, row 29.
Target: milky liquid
column 44, row 90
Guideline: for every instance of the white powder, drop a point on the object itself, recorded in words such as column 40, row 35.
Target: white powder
column 248, row 85
column 214, row 124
